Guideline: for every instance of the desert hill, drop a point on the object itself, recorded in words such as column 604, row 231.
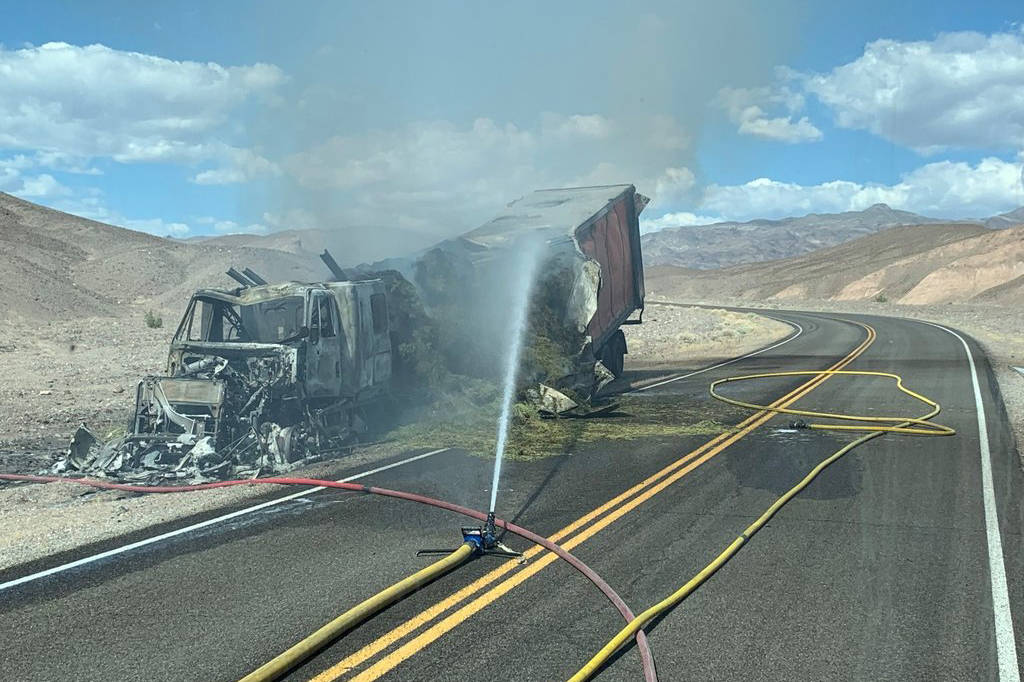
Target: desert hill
column 371, row 245
column 1009, row 219
column 957, row 262
column 57, row 265
column 721, row 245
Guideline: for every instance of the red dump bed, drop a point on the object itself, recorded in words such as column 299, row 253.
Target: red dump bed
column 612, row 238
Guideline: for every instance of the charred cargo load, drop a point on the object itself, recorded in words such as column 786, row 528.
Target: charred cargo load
column 258, row 378
column 590, row 279
column 603, row 223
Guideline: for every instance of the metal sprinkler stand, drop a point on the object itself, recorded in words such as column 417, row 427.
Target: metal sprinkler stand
column 485, row 540
column 490, row 538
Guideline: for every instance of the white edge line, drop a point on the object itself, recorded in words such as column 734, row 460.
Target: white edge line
column 1006, row 646
column 203, row 524
column 799, row 331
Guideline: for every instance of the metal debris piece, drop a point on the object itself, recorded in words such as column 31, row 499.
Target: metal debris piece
column 553, row 404
column 82, row 451
column 553, row 401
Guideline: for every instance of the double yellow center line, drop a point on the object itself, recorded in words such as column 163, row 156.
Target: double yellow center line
column 591, row 524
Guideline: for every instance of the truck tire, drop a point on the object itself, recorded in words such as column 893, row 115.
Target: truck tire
column 613, row 353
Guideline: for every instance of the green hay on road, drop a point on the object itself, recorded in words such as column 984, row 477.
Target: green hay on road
column 534, row 438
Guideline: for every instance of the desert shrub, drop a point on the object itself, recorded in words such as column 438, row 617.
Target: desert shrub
column 153, row 321
column 881, row 298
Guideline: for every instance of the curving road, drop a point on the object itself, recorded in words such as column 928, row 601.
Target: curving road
column 904, row 560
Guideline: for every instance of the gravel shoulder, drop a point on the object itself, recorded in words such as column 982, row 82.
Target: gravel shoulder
column 683, row 337
column 62, row 373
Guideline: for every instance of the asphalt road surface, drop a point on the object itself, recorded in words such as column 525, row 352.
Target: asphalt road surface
column 883, row 569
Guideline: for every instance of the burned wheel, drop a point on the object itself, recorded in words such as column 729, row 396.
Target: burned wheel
column 613, row 353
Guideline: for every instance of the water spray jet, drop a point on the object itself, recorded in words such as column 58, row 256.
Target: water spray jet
column 528, row 261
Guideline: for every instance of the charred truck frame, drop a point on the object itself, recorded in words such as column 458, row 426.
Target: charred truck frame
column 273, row 355
column 258, row 378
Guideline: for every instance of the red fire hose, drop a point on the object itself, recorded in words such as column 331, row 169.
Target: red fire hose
column 647, row 659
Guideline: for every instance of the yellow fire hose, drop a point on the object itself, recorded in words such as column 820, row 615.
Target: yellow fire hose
column 906, row 425
column 278, row 666
column 922, row 427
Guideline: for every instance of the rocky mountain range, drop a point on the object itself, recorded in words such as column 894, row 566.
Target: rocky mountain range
column 720, row 245
column 1010, row 219
column 913, row 264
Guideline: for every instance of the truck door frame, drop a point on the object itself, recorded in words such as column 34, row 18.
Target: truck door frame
column 323, row 356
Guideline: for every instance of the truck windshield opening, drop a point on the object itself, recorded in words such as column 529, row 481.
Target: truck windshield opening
column 213, row 320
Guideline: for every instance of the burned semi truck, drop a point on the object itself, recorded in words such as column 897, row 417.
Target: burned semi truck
column 258, row 378
column 265, row 376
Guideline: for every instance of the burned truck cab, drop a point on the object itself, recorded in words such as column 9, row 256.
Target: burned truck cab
column 277, row 370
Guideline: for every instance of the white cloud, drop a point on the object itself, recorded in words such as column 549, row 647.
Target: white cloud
column 676, row 219
column 158, row 227
column 57, row 161
column 219, row 176
column 95, row 209
column 674, row 184
column 231, row 227
column 782, row 128
column 960, row 90
column 69, row 103
column 19, row 163
column 745, row 107
column 222, row 226
column 240, row 165
column 13, row 181
column 941, row 189
column 673, row 187
column 66, row 163
column 41, row 186
column 578, row 125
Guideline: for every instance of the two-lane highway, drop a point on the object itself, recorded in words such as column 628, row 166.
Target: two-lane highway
column 887, row 567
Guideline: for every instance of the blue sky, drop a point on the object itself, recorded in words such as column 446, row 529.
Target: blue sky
column 420, row 121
